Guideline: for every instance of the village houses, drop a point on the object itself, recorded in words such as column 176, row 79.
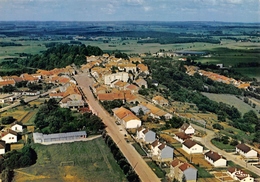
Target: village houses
column 181, row 170
column 127, row 118
column 215, row 159
column 145, row 135
column 246, row 151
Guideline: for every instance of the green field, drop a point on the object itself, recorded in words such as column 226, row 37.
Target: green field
column 231, row 100
column 78, row 161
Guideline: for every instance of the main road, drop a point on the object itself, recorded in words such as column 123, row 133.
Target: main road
column 139, row 165
column 206, row 141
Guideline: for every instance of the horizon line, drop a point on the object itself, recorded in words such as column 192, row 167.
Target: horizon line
column 211, row 21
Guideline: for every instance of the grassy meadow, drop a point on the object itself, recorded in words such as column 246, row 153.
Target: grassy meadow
column 231, row 100
column 78, row 161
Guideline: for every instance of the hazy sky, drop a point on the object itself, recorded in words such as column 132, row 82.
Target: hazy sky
column 151, row 10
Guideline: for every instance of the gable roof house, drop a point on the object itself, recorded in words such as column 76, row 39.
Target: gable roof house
column 246, row 151
column 181, row 170
column 165, row 153
column 215, row 159
column 239, row 175
column 2, row 147
column 160, row 100
column 145, row 135
column 154, row 147
column 17, row 127
column 181, row 136
column 187, row 128
column 127, row 118
column 9, row 136
column 191, row 147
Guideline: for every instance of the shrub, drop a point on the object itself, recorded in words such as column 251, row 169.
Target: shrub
column 217, row 126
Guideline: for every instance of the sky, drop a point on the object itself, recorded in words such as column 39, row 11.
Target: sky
column 131, row 10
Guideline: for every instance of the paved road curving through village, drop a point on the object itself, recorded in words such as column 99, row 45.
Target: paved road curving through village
column 141, row 168
column 206, row 141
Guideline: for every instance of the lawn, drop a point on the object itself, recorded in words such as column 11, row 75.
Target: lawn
column 222, row 146
column 78, row 161
column 157, row 170
column 139, row 149
column 203, row 173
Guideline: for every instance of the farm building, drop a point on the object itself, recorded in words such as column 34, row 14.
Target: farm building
column 246, row 151
column 215, row 159
column 191, row 147
column 59, row 137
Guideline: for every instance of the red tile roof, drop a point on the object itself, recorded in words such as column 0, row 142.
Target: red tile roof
column 189, row 143
column 213, row 155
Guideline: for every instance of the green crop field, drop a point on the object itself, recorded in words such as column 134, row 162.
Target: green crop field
column 231, row 100
column 78, row 161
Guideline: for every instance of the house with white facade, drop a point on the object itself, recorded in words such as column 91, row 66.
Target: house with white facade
column 245, row 151
column 215, row 159
column 126, row 118
column 181, row 170
column 9, row 136
column 191, row 147
column 154, row 147
column 165, row 153
column 123, row 76
column 187, row 128
column 181, row 136
column 145, row 135
column 17, row 127
column 2, row 147
column 239, row 175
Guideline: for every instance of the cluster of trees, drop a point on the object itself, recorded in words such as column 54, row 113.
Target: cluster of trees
column 52, row 119
column 121, row 160
column 16, row 159
column 6, row 44
column 184, row 88
column 248, row 123
column 225, row 139
column 175, row 122
column 109, row 105
column 62, row 55
column 7, row 120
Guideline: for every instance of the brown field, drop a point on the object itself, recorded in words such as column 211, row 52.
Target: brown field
column 208, row 180
column 28, row 116
column 18, row 113
column 30, row 128
column 168, row 138
column 16, row 146
column 199, row 159
column 171, row 131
